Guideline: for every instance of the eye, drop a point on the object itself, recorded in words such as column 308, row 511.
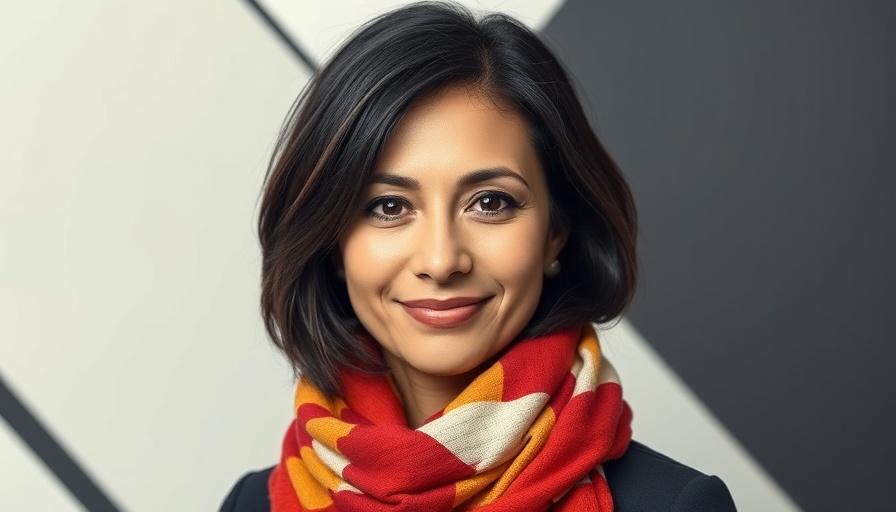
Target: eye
column 390, row 207
column 387, row 208
column 490, row 203
column 494, row 203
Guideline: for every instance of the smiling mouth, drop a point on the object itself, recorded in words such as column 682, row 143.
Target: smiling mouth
column 444, row 313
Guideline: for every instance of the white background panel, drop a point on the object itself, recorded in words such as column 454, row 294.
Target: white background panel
column 134, row 141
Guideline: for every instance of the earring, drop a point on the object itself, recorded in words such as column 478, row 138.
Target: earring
column 340, row 273
column 553, row 269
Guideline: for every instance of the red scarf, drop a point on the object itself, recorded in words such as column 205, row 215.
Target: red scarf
column 528, row 434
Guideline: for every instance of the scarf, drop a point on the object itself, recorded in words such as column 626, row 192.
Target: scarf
column 528, row 434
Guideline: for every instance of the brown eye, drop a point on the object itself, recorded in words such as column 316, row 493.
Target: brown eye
column 391, row 207
column 490, row 203
column 388, row 209
column 494, row 203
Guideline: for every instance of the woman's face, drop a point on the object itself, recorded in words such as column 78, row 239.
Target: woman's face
column 444, row 264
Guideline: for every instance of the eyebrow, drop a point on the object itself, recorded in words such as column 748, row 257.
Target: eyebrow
column 490, row 174
column 396, row 181
column 468, row 179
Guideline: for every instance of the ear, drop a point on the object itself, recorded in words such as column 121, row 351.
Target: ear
column 555, row 243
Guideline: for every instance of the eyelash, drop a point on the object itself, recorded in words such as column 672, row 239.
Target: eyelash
column 510, row 204
column 380, row 201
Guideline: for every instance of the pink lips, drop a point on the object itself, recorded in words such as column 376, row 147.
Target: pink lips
column 444, row 313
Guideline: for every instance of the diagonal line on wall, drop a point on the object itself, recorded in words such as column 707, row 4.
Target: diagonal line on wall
column 53, row 455
column 273, row 25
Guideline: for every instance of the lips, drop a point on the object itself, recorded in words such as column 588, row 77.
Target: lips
column 444, row 313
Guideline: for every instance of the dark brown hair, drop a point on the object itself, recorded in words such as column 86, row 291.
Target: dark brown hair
column 333, row 138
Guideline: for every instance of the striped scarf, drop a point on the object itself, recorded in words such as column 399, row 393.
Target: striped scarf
column 529, row 433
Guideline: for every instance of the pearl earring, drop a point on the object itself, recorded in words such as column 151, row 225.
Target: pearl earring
column 553, row 269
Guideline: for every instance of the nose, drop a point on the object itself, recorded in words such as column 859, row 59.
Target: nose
column 440, row 251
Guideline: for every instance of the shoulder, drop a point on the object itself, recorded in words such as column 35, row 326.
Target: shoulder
column 645, row 480
column 249, row 494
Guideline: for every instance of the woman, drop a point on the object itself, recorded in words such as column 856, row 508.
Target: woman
column 440, row 227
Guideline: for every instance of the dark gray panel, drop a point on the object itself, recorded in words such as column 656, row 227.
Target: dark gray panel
column 758, row 138
column 69, row 473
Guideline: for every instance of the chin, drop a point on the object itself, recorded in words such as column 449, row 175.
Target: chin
column 444, row 368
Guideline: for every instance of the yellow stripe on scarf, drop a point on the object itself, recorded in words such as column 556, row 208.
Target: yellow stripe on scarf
column 319, row 470
column 328, row 430
column 307, row 393
column 538, row 436
column 469, row 487
column 487, row 387
column 311, row 494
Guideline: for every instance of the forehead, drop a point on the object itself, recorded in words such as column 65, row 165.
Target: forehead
column 457, row 130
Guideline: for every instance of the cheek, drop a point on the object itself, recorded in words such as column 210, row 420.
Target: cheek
column 513, row 256
column 362, row 245
column 370, row 263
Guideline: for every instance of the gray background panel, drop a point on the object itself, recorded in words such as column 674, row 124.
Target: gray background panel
column 758, row 140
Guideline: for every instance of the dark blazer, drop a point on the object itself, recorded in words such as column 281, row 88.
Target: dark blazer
column 641, row 481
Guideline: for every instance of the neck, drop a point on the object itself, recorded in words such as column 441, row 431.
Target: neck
column 422, row 394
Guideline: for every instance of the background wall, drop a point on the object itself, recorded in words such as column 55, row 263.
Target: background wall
column 758, row 137
column 134, row 370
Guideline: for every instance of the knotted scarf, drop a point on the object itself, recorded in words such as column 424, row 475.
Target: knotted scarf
column 528, row 434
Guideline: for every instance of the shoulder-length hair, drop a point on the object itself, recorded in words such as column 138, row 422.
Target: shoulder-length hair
column 333, row 137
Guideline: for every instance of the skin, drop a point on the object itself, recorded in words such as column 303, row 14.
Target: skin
column 432, row 226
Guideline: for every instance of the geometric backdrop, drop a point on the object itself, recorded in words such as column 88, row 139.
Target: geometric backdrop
column 759, row 140
column 134, row 370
